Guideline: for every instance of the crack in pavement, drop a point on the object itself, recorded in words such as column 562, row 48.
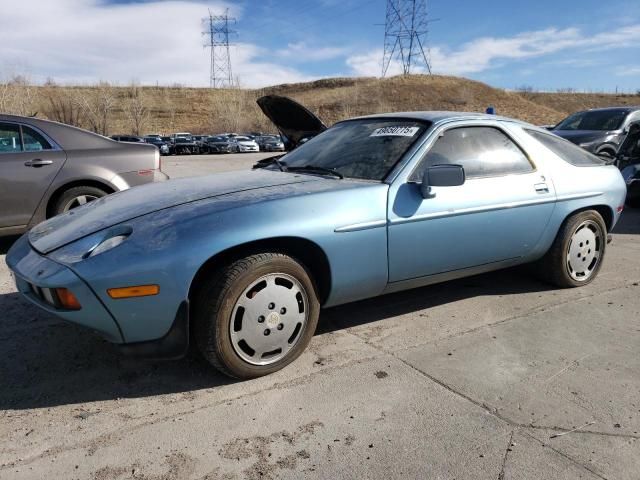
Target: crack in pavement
column 506, row 454
column 564, row 455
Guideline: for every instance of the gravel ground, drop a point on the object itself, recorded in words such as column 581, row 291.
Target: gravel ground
column 497, row 376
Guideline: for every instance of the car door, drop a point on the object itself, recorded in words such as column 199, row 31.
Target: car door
column 29, row 162
column 498, row 214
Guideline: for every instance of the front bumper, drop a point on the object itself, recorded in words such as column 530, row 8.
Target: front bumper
column 244, row 148
column 33, row 270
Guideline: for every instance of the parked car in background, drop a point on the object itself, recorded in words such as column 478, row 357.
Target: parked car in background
column 600, row 131
column 185, row 146
column 245, row 144
column 159, row 143
column 181, row 135
column 127, row 138
column 270, row 143
column 240, row 263
column 220, row 144
column 169, row 141
column 47, row 168
column 199, row 139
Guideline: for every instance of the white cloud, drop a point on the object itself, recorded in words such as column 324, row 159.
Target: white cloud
column 83, row 41
column 628, row 71
column 482, row 53
column 303, row 52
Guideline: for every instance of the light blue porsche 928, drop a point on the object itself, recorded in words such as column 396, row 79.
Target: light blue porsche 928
column 239, row 264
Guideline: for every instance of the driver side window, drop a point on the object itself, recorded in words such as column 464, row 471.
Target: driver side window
column 481, row 151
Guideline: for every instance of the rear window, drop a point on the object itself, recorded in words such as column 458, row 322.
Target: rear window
column 566, row 150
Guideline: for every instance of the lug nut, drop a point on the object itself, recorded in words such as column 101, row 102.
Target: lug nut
column 281, row 326
column 283, row 311
column 272, row 306
column 267, row 332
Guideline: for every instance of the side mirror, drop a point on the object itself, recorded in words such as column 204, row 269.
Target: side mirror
column 441, row 176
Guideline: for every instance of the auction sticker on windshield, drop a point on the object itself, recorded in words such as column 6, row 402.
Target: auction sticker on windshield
column 395, row 132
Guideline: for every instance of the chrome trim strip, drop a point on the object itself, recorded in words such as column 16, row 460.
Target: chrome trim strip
column 491, row 208
column 357, row 227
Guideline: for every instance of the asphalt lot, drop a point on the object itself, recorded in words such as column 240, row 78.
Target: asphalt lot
column 497, row 376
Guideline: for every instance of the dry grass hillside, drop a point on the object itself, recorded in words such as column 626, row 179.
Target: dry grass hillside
column 109, row 110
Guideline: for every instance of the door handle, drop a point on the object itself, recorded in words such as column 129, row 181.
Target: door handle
column 541, row 188
column 37, row 163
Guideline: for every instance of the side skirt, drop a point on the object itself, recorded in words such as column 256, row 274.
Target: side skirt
column 452, row 275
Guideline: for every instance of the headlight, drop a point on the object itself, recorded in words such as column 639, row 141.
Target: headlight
column 107, row 245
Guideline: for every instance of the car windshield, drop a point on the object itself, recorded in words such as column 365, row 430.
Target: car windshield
column 243, row 139
column 594, row 120
column 182, row 140
column 216, row 139
column 367, row 149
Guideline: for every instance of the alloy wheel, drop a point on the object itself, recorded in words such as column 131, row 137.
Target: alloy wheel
column 269, row 318
column 585, row 250
column 78, row 201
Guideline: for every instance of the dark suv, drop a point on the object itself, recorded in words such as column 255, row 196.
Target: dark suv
column 600, row 131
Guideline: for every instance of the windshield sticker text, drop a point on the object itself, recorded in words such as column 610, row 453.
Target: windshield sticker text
column 395, row 132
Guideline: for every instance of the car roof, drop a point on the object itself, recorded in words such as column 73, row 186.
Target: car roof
column 614, row 109
column 440, row 116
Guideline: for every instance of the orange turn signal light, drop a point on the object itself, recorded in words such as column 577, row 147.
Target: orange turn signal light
column 131, row 292
column 67, row 299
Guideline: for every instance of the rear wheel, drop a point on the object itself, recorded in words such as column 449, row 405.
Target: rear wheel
column 256, row 315
column 576, row 256
column 76, row 197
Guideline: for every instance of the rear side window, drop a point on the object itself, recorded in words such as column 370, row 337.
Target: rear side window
column 33, row 141
column 566, row 150
column 10, row 138
column 482, row 151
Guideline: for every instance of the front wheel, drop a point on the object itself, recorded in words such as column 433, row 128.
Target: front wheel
column 256, row 315
column 576, row 256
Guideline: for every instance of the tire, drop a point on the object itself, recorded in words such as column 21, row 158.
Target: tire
column 573, row 260
column 76, row 196
column 256, row 315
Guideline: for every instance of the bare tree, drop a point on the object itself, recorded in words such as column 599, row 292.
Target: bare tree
column 97, row 105
column 18, row 96
column 136, row 109
column 63, row 106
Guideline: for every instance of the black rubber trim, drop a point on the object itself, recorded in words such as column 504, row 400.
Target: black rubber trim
column 174, row 344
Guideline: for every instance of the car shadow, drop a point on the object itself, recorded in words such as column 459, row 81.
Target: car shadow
column 48, row 362
column 6, row 242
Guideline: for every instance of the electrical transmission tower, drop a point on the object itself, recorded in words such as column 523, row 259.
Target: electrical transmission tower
column 405, row 35
column 216, row 30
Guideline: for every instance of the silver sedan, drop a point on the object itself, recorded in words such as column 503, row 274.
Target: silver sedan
column 47, row 168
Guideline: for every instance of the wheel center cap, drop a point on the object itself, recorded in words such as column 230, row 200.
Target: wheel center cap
column 273, row 320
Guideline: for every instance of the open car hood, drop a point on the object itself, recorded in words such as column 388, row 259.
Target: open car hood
column 631, row 145
column 293, row 120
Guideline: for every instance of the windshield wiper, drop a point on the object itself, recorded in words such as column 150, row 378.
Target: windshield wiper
column 271, row 161
column 316, row 169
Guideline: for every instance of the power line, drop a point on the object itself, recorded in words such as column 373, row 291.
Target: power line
column 405, row 35
column 216, row 30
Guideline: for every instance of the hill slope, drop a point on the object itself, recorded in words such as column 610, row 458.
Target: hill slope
column 140, row 110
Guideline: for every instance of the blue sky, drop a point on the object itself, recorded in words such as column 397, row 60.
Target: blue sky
column 587, row 44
